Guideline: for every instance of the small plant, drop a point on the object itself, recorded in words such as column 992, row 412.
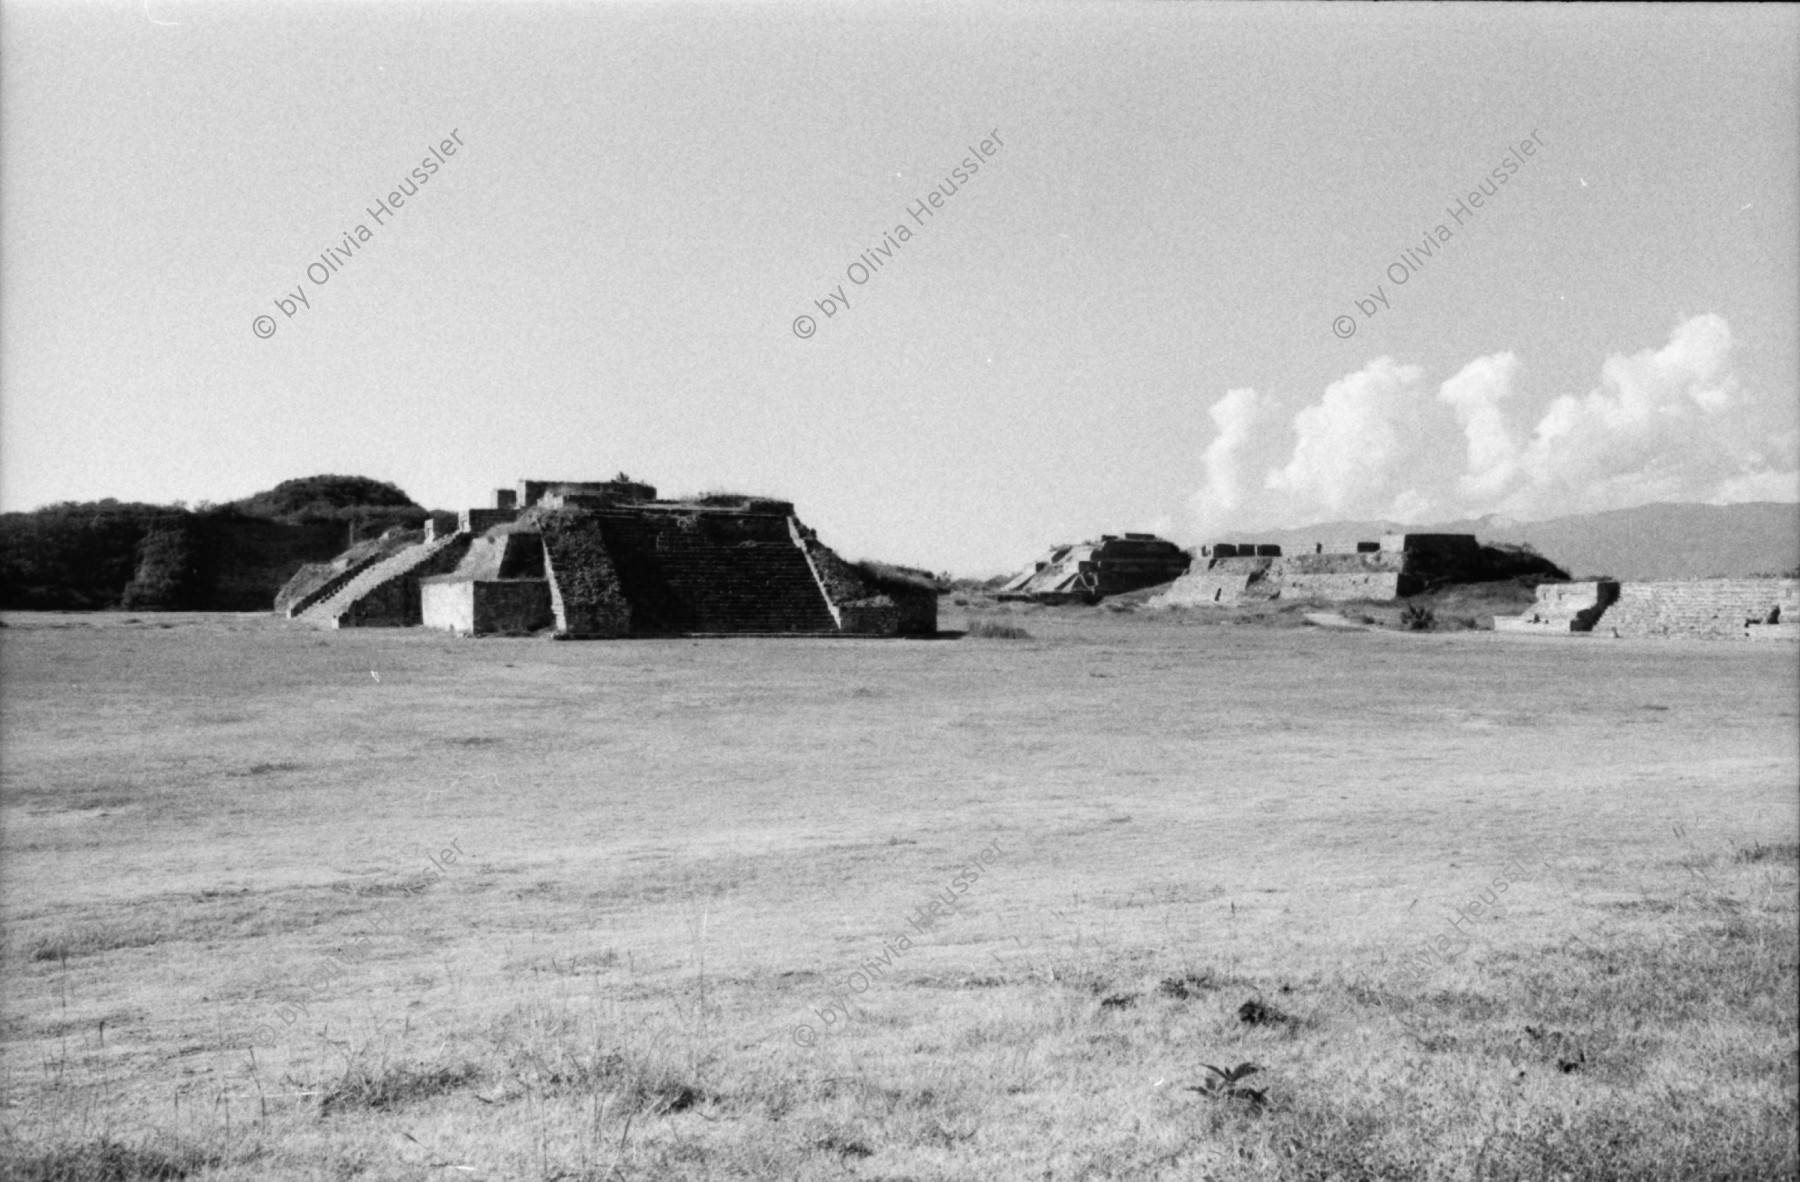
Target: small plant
column 388, row 1086
column 1418, row 618
column 1224, row 1085
column 1255, row 1013
column 1782, row 851
column 1183, row 988
column 993, row 630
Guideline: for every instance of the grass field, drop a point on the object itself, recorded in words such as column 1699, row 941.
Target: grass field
column 284, row 904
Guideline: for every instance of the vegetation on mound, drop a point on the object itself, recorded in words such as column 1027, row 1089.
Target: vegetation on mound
column 886, row 577
column 230, row 557
column 323, row 498
column 575, row 547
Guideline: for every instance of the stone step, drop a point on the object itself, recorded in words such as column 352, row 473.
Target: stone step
column 332, row 610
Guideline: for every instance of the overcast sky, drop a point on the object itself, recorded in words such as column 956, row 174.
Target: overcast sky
column 1140, row 311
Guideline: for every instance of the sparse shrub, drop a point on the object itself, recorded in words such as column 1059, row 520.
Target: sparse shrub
column 1189, row 986
column 90, row 939
column 105, row 1160
column 1256, row 1013
column 1780, row 851
column 1416, row 617
column 994, row 630
column 390, row 1085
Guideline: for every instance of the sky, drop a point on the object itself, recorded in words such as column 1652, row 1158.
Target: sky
column 1218, row 268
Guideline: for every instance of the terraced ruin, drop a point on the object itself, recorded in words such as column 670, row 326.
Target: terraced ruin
column 1721, row 609
column 1087, row 572
column 608, row 559
column 1398, row 565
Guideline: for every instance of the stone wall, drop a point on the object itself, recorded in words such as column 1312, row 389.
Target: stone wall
column 698, row 571
column 1346, row 585
column 1340, row 576
column 586, row 598
column 511, row 605
column 479, row 521
column 1563, row 607
column 530, row 492
column 879, row 616
column 485, row 606
column 1463, row 546
column 1720, row 608
column 447, row 603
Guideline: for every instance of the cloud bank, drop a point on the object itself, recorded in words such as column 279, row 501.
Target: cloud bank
column 1668, row 424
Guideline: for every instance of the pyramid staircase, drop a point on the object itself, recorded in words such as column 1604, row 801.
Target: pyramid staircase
column 380, row 594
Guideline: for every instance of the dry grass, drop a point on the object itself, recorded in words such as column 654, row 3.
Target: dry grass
column 1220, row 846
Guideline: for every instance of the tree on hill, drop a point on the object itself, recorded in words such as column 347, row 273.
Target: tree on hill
column 168, row 573
column 324, row 498
column 106, row 554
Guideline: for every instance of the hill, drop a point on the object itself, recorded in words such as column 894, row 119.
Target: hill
column 231, row 557
column 1660, row 541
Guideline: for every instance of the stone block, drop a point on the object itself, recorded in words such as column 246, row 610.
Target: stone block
column 476, row 521
column 1444, row 545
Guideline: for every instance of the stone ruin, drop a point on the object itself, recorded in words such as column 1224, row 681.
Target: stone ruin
column 608, row 559
column 1398, row 565
column 1749, row 609
column 1090, row 571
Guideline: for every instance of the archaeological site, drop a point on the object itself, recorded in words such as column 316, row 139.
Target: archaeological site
column 1722, row 609
column 1090, row 571
column 1398, row 565
column 608, row 559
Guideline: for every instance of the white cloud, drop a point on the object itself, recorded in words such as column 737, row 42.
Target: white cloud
column 1236, row 415
column 1350, row 459
column 1671, row 424
column 1476, row 393
column 1668, row 424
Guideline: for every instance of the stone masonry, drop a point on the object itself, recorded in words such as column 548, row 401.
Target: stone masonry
column 1563, row 607
column 1228, row 573
column 1090, row 571
column 1719, row 609
column 608, row 559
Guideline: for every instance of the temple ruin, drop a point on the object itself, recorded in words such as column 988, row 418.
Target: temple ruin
column 1088, row 572
column 1396, row 566
column 1747, row 609
column 608, row 559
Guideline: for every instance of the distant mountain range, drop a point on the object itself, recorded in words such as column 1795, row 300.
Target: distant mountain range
column 1662, row 541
